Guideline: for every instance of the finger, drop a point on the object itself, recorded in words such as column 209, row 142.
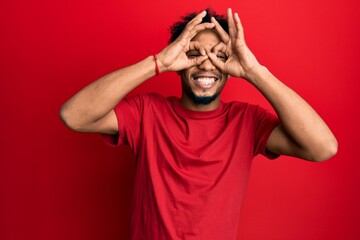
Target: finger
column 195, row 45
column 197, row 61
column 232, row 28
column 239, row 27
column 220, row 47
column 215, row 61
column 222, row 33
column 193, row 23
column 196, row 20
column 199, row 28
column 200, row 16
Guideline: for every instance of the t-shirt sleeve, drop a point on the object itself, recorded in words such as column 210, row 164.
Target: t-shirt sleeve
column 128, row 113
column 265, row 122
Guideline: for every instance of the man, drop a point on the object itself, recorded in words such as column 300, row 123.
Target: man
column 194, row 153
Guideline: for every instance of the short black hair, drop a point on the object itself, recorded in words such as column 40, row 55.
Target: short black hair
column 177, row 28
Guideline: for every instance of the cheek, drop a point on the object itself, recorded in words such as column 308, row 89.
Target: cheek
column 185, row 75
column 223, row 82
column 224, row 78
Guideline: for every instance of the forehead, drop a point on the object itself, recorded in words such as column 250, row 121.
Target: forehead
column 207, row 37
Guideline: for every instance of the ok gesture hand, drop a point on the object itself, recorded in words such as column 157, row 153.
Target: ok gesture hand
column 173, row 57
column 240, row 60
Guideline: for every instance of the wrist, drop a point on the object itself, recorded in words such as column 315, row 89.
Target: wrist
column 157, row 69
column 255, row 73
column 159, row 64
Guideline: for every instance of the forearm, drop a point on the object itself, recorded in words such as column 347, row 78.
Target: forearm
column 299, row 120
column 98, row 98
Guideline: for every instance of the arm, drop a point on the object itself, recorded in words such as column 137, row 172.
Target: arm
column 302, row 133
column 91, row 109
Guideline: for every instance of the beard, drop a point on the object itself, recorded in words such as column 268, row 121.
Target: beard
column 202, row 100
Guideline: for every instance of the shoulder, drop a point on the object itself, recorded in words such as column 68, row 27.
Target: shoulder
column 246, row 106
column 238, row 106
column 148, row 102
column 155, row 99
column 145, row 99
column 150, row 97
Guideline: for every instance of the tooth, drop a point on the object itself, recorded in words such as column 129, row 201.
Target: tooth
column 206, row 80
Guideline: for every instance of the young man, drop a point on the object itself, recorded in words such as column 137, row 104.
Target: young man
column 194, row 153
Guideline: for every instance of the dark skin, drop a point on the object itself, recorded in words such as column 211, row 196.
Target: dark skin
column 205, row 55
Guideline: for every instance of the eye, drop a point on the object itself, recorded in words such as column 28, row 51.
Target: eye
column 193, row 54
column 222, row 57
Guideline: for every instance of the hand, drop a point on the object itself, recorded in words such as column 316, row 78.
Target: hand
column 173, row 57
column 240, row 60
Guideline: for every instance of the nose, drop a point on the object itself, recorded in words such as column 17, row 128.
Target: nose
column 207, row 65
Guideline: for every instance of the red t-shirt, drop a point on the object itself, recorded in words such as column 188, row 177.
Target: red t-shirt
column 192, row 167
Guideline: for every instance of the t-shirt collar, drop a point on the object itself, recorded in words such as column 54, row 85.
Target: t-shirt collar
column 187, row 113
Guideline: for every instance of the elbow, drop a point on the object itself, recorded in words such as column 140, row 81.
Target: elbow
column 68, row 119
column 326, row 152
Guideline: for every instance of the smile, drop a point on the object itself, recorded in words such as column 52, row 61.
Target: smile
column 205, row 82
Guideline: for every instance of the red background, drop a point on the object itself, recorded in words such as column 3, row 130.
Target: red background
column 57, row 184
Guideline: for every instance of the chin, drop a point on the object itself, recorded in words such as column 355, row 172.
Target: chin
column 202, row 100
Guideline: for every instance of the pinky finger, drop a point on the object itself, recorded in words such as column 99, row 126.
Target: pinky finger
column 239, row 27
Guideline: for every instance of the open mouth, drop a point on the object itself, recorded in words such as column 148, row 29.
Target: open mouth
column 205, row 82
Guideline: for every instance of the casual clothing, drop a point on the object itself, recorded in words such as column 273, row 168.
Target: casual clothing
column 192, row 167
